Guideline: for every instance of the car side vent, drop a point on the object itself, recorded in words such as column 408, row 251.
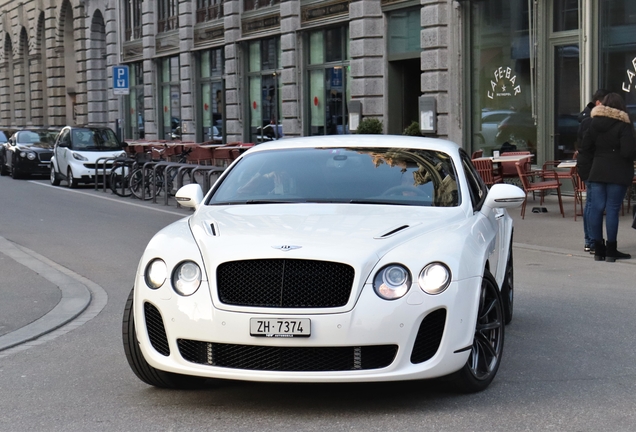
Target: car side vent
column 212, row 229
column 393, row 231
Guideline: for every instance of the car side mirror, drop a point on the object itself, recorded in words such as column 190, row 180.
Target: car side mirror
column 63, row 144
column 189, row 196
column 504, row 196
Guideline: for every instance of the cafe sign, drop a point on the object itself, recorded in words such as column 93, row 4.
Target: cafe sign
column 631, row 74
column 504, row 84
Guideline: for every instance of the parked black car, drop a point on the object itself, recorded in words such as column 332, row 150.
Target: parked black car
column 28, row 152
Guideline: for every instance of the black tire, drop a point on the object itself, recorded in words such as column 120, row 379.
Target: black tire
column 55, row 179
column 507, row 288
column 3, row 167
column 485, row 356
column 138, row 364
column 15, row 173
column 119, row 182
column 139, row 188
column 72, row 182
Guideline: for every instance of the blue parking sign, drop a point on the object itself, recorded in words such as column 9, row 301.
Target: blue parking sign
column 121, row 81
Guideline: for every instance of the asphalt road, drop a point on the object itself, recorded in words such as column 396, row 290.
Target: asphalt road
column 568, row 359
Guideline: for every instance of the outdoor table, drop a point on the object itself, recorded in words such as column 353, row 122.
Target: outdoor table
column 571, row 163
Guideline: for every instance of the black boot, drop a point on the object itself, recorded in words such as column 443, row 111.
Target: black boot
column 599, row 250
column 612, row 254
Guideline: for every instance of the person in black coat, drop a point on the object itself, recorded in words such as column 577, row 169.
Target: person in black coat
column 585, row 163
column 609, row 142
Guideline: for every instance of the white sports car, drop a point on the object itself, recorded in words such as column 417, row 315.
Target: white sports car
column 330, row 259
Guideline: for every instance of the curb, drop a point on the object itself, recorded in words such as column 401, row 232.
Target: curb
column 75, row 297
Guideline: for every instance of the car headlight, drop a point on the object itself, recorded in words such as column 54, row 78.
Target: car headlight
column 186, row 278
column 28, row 155
column 122, row 155
column 392, row 282
column 434, row 278
column 79, row 157
column 156, row 273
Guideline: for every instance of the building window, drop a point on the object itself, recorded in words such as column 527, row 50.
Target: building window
column 134, row 128
column 249, row 5
column 617, row 50
column 501, row 111
column 328, row 70
column 168, row 15
column 132, row 19
column 170, row 99
column 211, row 105
column 264, row 90
column 208, row 10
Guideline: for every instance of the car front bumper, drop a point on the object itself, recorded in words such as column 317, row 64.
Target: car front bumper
column 377, row 340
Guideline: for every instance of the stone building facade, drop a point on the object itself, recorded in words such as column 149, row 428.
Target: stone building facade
column 234, row 70
column 502, row 73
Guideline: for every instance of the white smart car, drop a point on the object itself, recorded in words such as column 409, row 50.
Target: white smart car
column 79, row 149
column 330, row 259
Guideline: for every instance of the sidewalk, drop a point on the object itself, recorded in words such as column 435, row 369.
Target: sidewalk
column 553, row 232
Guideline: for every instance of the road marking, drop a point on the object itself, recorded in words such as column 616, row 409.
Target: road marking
column 107, row 198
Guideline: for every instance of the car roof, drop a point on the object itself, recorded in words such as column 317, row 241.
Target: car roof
column 363, row 141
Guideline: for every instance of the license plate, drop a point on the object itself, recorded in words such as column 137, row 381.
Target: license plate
column 280, row 327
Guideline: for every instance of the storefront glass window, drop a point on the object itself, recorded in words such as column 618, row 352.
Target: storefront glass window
column 328, row 70
column 265, row 90
column 500, row 80
column 134, row 127
column 211, row 103
column 618, row 50
column 170, row 95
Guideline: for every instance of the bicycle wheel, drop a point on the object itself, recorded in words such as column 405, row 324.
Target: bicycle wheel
column 119, row 181
column 138, row 187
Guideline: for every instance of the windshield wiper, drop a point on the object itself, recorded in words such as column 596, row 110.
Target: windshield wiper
column 263, row 201
column 377, row 202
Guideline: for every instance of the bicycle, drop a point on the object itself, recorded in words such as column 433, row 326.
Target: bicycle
column 147, row 183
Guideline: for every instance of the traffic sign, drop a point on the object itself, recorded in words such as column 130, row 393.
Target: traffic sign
column 121, row 81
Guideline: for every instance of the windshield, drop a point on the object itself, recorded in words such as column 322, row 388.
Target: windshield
column 32, row 137
column 95, row 139
column 341, row 175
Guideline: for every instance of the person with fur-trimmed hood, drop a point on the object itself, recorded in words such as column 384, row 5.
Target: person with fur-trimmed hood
column 584, row 164
column 609, row 141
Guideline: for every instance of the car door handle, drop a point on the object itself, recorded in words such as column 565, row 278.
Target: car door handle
column 499, row 216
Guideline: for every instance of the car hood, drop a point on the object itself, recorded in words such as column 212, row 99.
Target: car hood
column 356, row 234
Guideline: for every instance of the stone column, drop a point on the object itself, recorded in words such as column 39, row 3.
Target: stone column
column 80, row 32
column 234, row 90
column 291, row 64
column 186, row 63
column 434, row 58
column 367, row 50
column 148, row 32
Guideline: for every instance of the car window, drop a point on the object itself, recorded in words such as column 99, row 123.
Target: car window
column 3, row 137
column 94, row 139
column 32, row 137
column 342, row 175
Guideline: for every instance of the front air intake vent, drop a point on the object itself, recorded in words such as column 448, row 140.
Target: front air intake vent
column 429, row 336
column 287, row 359
column 156, row 330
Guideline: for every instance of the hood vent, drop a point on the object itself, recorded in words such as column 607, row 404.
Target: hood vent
column 392, row 232
column 212, row 229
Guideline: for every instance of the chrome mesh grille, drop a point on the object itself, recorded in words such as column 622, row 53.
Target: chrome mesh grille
column 285, row 283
